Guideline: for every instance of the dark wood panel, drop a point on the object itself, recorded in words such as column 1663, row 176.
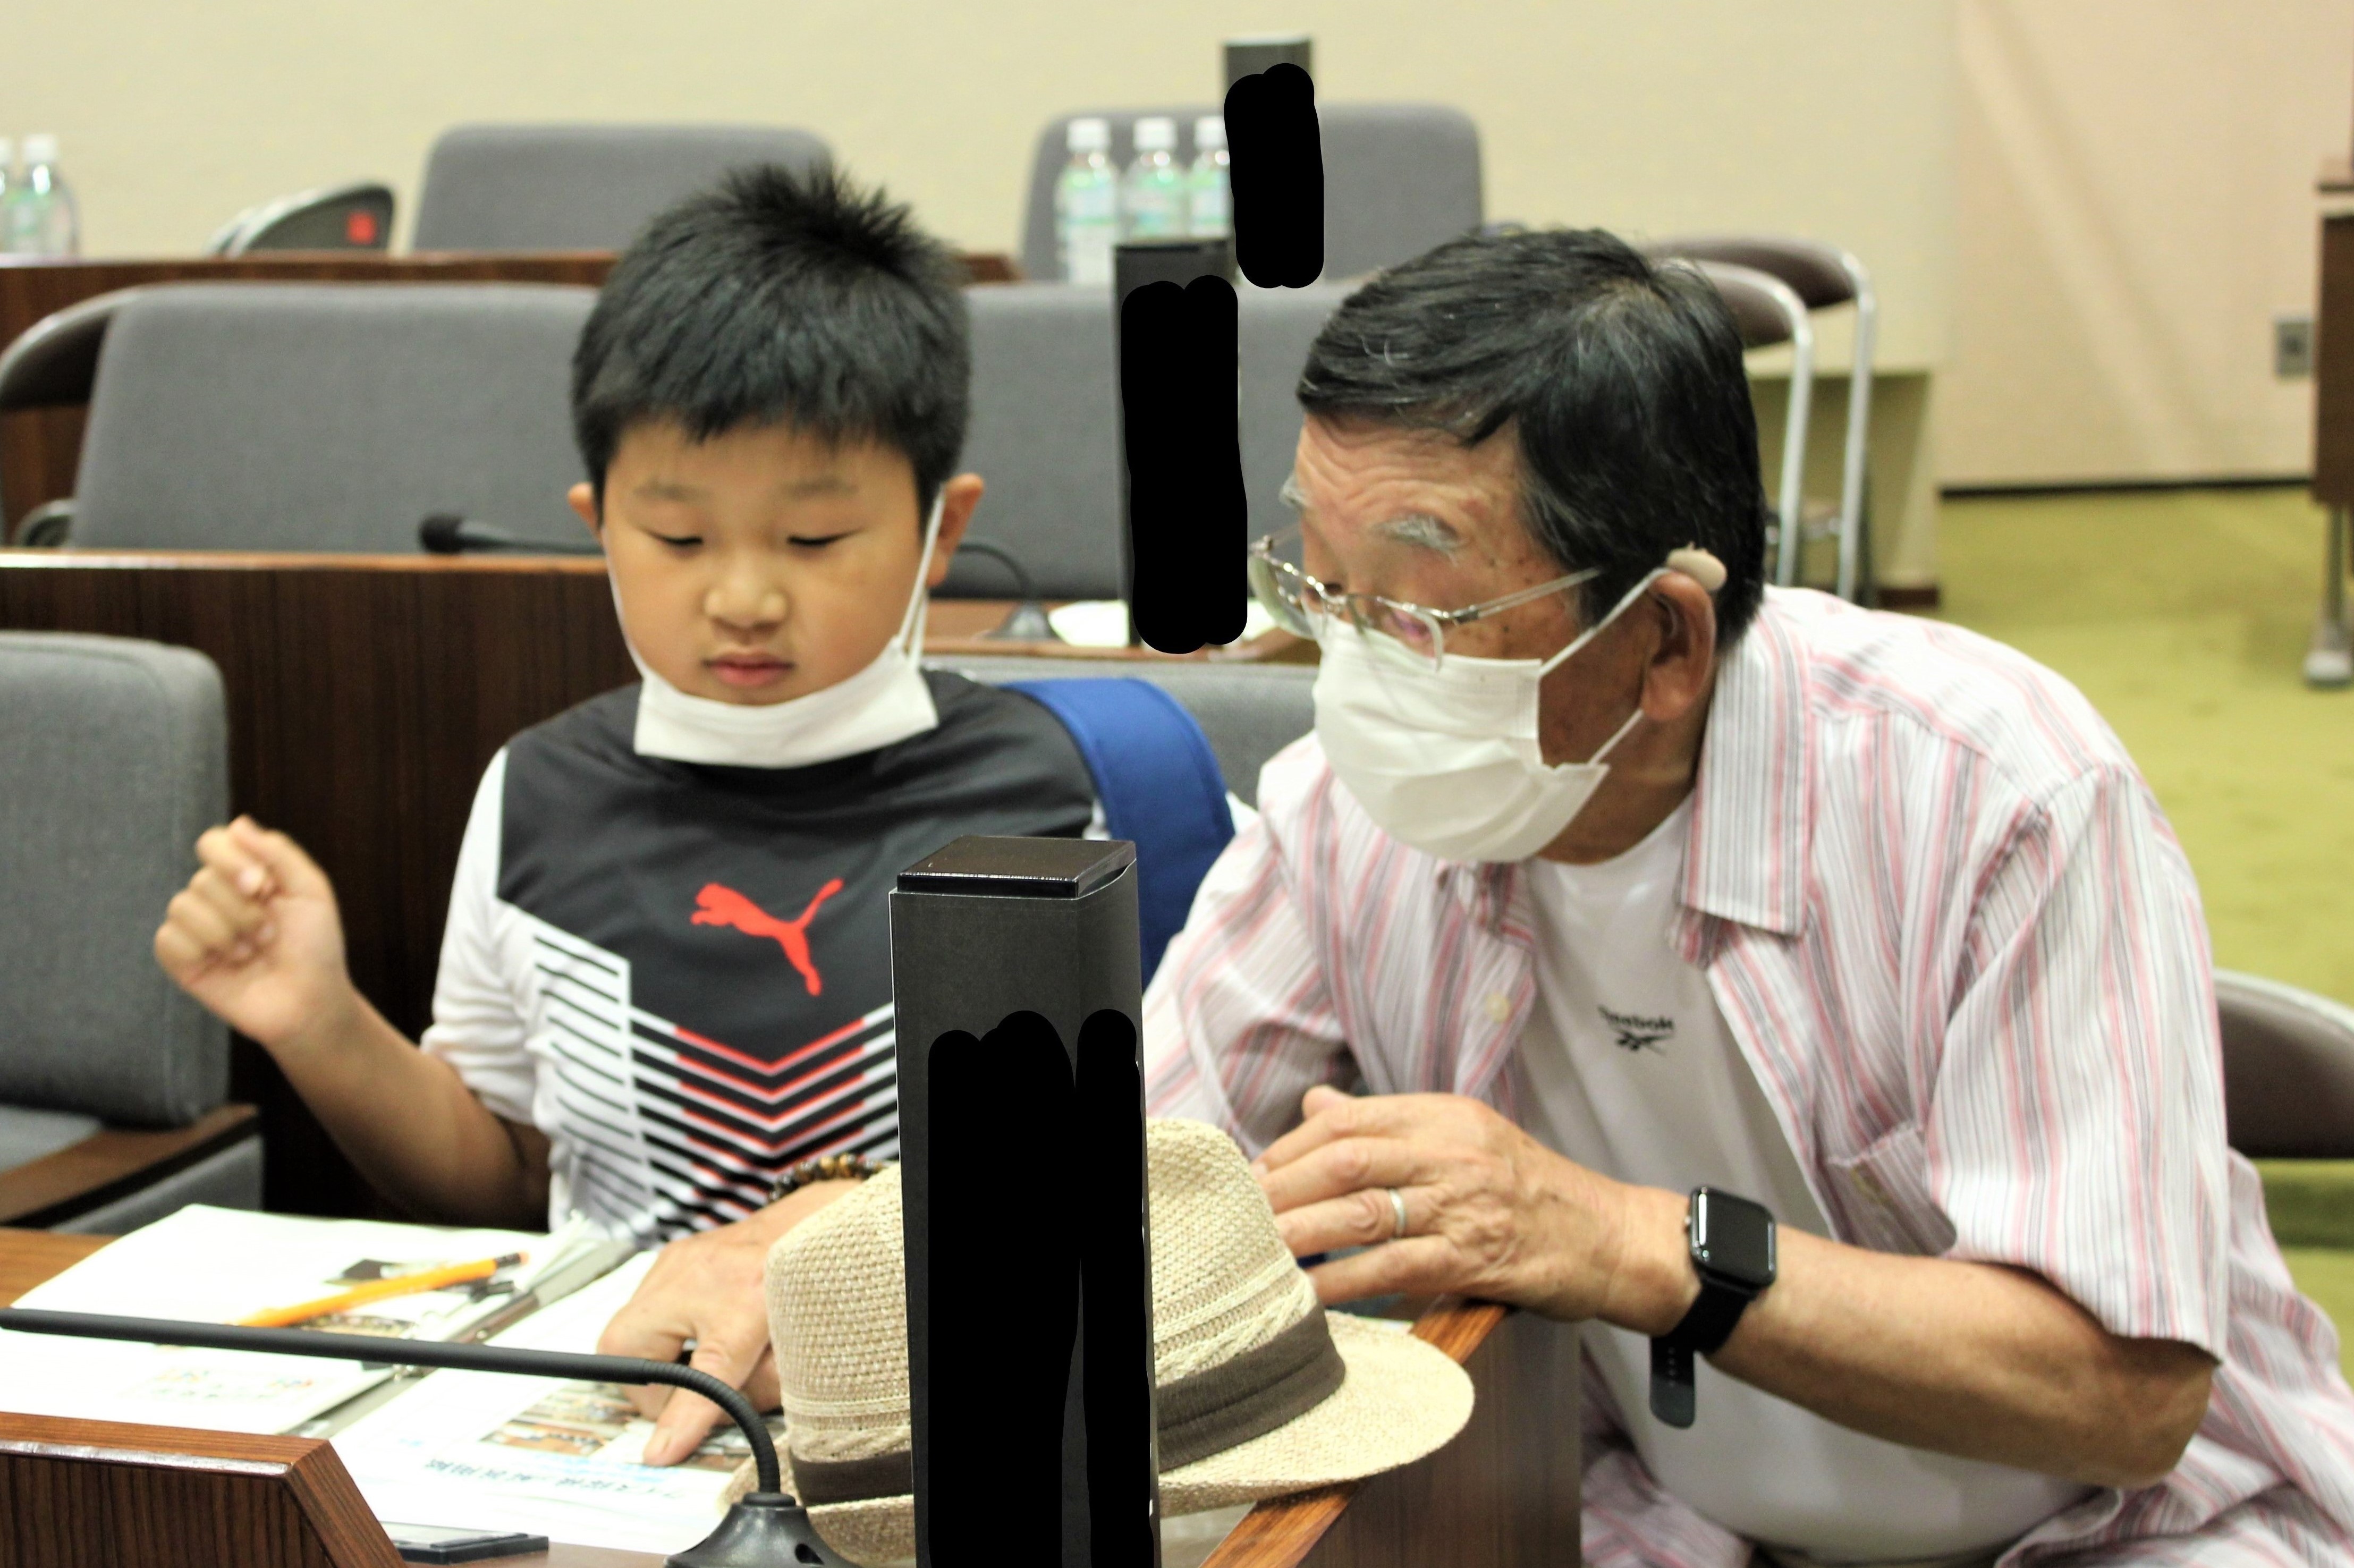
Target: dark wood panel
column 39, row 448
column 2333, row 366
column 1503, row 1494
column 366, row 695
column 102, row 1492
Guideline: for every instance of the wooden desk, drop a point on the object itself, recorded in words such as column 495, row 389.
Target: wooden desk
column 1505, row 1494
column 39, row 448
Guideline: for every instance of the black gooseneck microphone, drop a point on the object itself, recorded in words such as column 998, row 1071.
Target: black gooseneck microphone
column 764, row 1530
column 1026, row 622
column 447, row 533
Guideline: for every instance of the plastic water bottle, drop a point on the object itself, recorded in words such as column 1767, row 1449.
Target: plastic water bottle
column 1152, row 197
column 1209, row 183
column 41, row 218
column 1086, row 204
column 7, row 187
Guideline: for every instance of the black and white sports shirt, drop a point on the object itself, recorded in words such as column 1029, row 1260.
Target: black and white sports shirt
column 681, row 973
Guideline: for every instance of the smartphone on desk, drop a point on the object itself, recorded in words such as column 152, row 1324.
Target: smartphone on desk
column 451, row 1543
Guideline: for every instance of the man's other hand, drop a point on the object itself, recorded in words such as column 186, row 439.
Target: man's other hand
column 1491, row 1212
column 708, row 1291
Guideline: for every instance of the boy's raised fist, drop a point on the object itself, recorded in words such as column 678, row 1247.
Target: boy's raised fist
column 256, row 937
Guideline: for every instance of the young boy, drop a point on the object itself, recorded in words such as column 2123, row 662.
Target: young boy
column 666, row 975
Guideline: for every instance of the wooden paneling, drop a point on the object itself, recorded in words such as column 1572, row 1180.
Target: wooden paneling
column 2333, row 366
column 40, row 447
column 27, row 1258
column 366, row 695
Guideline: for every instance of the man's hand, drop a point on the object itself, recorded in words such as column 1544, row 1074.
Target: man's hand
column 1491, row 1212
column 256, row 937
column 710, row 1289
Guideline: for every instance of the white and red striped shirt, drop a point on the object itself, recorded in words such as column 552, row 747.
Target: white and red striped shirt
column 1955, row 939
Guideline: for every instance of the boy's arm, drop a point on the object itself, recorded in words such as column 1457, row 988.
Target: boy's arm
column 257, row 938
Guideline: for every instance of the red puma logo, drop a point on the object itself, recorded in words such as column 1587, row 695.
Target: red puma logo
column 720, row 905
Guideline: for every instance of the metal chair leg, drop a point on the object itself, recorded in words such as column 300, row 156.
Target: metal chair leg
column 2329, row 661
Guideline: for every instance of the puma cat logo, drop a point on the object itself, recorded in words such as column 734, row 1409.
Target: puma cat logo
column 718, row 905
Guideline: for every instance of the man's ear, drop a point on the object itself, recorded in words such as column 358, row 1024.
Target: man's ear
column 582, row 499
column 1683, row 660
column 959, row 496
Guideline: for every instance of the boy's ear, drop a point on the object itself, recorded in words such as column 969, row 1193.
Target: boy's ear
column 959, row 496
column 582, row 498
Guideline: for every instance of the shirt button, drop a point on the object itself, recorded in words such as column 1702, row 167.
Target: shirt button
column 1499, row 1006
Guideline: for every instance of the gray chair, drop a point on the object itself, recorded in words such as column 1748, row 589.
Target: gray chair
column 2288, row 1070
column 329, row 416
column 111, row 1079
column 1249, row 712
column 1822, row 277
column 581, row 187
column 356, row 215
column 1398, row 179
column 1046, row 427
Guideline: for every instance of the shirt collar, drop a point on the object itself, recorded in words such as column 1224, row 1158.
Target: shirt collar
column 1747, row 855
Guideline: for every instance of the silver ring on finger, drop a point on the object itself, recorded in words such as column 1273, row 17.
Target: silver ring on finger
column 1397, row 1213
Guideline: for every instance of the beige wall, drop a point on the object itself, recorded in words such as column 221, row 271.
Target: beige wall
column 1827, row 117
column 2136, row 202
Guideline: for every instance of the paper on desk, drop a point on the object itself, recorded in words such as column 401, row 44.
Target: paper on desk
column 541, row 1455
column 218, row 1264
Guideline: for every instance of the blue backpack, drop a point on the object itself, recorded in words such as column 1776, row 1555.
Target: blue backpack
column 1160, row 786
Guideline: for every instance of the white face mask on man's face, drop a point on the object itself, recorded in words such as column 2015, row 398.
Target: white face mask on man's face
column 1449, row 760
column 883, row 704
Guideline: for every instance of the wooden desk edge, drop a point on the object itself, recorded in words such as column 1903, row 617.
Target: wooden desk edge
column 1281, row 1532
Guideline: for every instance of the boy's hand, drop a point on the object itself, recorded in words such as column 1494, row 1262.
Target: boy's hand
column 710, row 1288
column 256, row 937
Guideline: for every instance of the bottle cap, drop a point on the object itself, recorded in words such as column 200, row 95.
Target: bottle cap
column 1210, row 131
column 41, row 147
column 1087, row 134
column 1156, row 133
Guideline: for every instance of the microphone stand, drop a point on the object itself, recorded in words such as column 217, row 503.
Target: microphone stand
column 766, row 1529
column 1026, row 622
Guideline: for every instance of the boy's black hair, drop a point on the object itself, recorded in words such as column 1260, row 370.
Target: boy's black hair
column 782, row 296
column 1621, row 381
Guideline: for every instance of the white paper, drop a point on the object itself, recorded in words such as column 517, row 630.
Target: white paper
column 560, row 1460
column 216, row 1266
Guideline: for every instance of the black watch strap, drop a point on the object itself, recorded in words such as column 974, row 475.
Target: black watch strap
column 1710, row 1320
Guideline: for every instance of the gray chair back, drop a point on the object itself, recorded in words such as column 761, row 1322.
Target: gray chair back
column 1046, row 427
column 117, row 758
column 2288, row 1069
column 1249, row 712
column 1398, row 179
column 581, row 187
column 330, row 416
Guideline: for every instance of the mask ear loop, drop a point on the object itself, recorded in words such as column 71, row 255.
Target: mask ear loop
column 919, row 605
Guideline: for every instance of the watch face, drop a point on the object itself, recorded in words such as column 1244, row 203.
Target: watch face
column 1734, row 1237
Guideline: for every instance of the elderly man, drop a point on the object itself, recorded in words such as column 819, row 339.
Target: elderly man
column 1812, row 994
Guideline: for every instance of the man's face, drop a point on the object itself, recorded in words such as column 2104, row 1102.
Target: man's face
column 1416, row 516
column 765, row 563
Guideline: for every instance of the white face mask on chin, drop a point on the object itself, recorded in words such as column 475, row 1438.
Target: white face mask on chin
column 1449, row 760
column 884, row 702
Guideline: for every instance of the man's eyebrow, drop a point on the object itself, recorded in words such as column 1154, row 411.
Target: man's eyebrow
column 1420, row 528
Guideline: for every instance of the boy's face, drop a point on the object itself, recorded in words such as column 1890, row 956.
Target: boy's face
column 765, row 563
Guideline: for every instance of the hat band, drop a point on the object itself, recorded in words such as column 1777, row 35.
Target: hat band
column 1207, row 1413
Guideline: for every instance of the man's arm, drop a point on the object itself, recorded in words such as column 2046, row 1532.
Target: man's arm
column 256, row 936
column 1971, row 1359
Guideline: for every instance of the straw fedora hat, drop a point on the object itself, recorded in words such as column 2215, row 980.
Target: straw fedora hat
column 1234, row 1325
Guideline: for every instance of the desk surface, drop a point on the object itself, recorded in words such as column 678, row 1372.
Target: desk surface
column 1276, row 1534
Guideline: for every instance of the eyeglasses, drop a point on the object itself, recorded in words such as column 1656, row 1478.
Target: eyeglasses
column 1302, row 606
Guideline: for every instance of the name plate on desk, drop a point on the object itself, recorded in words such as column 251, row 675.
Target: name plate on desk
column 166, row 1496
column 1018, row 985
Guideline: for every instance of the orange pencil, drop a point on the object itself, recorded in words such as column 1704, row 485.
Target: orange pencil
column 379, row 1289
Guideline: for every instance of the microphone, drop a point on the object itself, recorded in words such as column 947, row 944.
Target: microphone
column 448, row 533
column 765, row 1528
column 1026, row 622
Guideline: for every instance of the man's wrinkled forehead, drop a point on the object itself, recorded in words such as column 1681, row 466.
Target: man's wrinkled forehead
column 1419, row 488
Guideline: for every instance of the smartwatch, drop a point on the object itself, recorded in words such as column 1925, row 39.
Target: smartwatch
column 1732, row 1243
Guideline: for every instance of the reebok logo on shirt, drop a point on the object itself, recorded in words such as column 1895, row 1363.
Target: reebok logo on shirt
column 1636, row 1032
column 718, row 905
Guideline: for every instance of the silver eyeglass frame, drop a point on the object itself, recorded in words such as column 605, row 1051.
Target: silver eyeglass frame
column 1287, row 592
